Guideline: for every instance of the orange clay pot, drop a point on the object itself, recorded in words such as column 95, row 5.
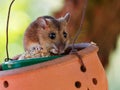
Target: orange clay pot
column 65, row 73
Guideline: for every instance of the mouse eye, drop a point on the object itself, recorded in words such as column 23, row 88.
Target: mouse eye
column 52, row 35
column 64, row 34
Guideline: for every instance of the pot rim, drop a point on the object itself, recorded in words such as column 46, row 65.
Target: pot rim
column 87, row 49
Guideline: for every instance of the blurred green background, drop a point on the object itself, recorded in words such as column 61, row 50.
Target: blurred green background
column 25, row 11
column 22, row 14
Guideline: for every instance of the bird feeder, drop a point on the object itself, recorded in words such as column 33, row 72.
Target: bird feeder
column 64, row 72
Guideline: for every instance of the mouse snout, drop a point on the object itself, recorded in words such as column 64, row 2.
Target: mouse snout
column 60, row 48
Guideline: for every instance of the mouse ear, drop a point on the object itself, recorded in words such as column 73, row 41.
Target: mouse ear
column 67, row 17
column 42, row 22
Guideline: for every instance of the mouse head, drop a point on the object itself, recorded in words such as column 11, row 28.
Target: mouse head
column 53, row 33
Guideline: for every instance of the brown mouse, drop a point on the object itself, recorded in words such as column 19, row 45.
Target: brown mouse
column 47, row 35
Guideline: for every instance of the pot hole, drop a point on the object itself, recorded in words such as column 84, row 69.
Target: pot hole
column 5, row 84
column 83, row 68
column 77, row 84
column 94, row 80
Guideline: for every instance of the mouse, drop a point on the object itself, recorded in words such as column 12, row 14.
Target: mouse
column 46, row 36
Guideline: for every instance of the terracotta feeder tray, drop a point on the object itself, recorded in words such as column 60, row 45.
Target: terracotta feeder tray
column 64, row 72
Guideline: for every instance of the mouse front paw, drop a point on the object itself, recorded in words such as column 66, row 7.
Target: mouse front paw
column 36, row 48
column 38, row 51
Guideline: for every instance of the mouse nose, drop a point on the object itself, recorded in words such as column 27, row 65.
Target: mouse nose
column 60, row 47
